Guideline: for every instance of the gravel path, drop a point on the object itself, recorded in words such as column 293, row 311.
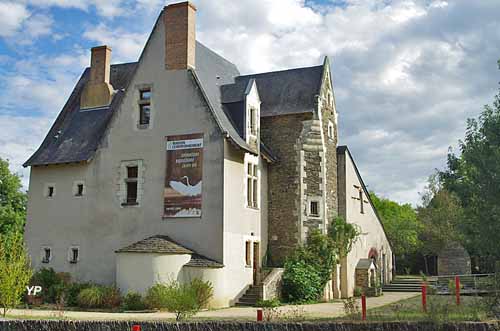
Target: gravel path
column 320, row 310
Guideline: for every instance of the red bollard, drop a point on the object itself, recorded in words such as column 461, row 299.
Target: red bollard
column 363, row 307
column 259, row 315
column 424, row 297
column 457, row 289
column 136, row 327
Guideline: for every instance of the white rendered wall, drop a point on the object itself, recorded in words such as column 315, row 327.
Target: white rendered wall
column 372, row 235
column 139, row 271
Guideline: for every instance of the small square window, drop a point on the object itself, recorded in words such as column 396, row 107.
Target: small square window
column 132, row 172
column 74, row 255
column 79, row 190
column 47, row 255
column 314, row 208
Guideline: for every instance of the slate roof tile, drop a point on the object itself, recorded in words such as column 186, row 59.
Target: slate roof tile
column 156, row 244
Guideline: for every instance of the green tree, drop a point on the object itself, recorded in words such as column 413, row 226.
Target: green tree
column 474, row 177
column 15, row 271
column 12, row 200
column 442, row 218
column 400, row 223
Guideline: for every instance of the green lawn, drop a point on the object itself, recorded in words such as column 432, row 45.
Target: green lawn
column 440, row 308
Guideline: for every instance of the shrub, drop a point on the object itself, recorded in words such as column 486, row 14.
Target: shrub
column 133, row 301
column 72, row 291
column 92, row 297
column 301, row 282
column 204, row 292
column 112, row 297
column 51, row 284
column 272, row 303
column 358, row 291
column 181, row 299
column 156, row 296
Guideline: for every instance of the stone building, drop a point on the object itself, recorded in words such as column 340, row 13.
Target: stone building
column 177, row 166
column 453, row 260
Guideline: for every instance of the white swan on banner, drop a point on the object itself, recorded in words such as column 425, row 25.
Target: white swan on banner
column 189, row 190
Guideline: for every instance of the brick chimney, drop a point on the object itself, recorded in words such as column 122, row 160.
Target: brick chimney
column 98, row 91
column 180, row 38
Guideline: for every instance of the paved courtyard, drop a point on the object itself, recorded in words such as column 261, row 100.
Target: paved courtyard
column 320, row 310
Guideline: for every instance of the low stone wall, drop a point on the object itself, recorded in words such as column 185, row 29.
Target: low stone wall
column 32, row 325
column 271, row 286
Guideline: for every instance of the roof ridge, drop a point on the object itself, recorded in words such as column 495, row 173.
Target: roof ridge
column 279, row 71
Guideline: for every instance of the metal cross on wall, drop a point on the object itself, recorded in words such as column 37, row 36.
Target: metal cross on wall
column 361, row 198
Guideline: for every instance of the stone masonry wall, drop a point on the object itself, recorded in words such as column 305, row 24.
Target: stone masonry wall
column 454, row 260
column 281, row 133
column 34, row 325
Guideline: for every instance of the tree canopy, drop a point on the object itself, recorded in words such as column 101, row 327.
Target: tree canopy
column 401, row 224
column 12, row 201
column 473, row 176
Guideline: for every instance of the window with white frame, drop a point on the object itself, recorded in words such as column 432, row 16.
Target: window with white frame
column 252, row 121
column 131, row 182
column 74, row 254
column 78, row 188
column 314, row 208
column 331, row 130
column 46, row 254
column 252, row 183
column 49, row 190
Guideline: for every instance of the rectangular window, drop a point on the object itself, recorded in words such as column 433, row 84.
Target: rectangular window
column 144, row 106
column 79, row 190
column 314, row 208
column 50, row 191
column 74, row 255
column 145, row 114
column 131, row 182
column 248, row 257
column 47, row 255
column 253, row 121
column 252, row 185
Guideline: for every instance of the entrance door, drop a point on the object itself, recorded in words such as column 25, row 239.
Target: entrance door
column 256, row 263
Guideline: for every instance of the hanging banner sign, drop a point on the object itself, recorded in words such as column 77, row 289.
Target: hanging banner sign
column 183, row 180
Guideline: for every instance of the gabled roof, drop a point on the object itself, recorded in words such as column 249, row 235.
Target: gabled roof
column 365, row 264
column 156, row 244
column 75, row 135
column 291, row 91
column 344, row 150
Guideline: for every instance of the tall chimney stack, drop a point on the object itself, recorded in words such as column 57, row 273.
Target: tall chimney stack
column 98, row 91
column 180, row 36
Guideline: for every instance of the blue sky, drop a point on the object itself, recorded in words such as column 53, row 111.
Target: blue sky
column 406, row 73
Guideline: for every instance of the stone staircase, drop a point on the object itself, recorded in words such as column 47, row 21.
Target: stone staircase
column 251, row 296
column 404, row 284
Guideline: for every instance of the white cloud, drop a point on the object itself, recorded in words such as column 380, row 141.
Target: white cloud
column 12, row 16
column 126, row 46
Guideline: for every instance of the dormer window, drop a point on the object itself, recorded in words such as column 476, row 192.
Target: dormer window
column 253, row 121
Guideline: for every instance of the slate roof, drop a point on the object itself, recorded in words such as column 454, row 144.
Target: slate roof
column 75, row 135
column 156, row 244
column 200, row 261
column 365, row 264
column 285, row 92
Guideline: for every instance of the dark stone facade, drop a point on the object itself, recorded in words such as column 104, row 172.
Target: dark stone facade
column 306, row 171
column 282, row 132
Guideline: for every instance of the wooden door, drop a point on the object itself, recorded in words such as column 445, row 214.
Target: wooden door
column 256, row 263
